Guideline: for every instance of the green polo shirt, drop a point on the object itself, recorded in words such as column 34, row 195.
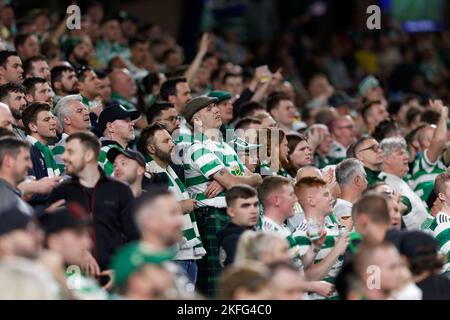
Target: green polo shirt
column 372, row 176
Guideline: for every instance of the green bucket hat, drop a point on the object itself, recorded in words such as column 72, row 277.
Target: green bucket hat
column 220, row 95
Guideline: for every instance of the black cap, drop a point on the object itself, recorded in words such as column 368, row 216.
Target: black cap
column 134, row 155
column 417, row 243
column 13, row 219
column 340, row 99
column 72, row 217
column 115, row 112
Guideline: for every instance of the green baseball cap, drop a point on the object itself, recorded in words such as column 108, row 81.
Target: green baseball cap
column 220, row 95
column 134, row 256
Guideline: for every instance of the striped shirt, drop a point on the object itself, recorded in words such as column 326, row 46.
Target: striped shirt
column 103, row 161
column 269, row 225
column 191, row 247
column 424, row 174
column 440, row 228
column 302, row 240
column 202, row 160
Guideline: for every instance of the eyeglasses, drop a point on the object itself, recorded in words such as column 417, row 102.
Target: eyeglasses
column 374, row 148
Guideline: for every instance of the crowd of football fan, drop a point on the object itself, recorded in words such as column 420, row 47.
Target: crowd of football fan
column 126, row 174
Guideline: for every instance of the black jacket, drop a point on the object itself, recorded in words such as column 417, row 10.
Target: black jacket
column 228, row 239
column 111, row 209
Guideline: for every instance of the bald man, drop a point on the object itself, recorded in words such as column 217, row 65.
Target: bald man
column 6, row 117
column 124, row 91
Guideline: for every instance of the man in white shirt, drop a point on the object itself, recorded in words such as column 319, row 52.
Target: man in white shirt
column 395, row 167
column 351, row 177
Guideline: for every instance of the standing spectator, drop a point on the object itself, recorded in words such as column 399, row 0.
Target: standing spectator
column 107, row 202
column 178, row 92
column 159, row 146
column 213, row 167
column 395, row 167
column 243, row 209
column 351, row 177
column 116, row 124
column 10, row 67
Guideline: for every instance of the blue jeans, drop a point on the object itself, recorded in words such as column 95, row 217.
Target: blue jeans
column 190, row 268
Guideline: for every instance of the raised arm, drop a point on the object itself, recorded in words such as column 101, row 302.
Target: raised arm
column 440, row 134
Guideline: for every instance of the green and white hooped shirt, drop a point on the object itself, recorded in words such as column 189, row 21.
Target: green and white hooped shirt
column 303, row 241
column 269, row 225
column 424, row 174
column 192, row 246
column 440, row 229
column 202, row 160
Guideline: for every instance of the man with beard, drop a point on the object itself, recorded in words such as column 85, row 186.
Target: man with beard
column 6, row 118
column 15, row 161
column 13, row 95
column 77, row 51
column 64, row 81
column 117, row 126
column 40, row 126
column 158, row 144
column 73, row 116
column 368, row 151
column 108, row 202
column 10, row 67
column 38, row 90
column 36, row 66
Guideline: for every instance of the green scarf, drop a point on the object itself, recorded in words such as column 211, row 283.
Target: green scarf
column 49, row 160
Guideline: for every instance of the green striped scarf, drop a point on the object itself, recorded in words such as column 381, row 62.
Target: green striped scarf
column 190, row 229
column 49, row 160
